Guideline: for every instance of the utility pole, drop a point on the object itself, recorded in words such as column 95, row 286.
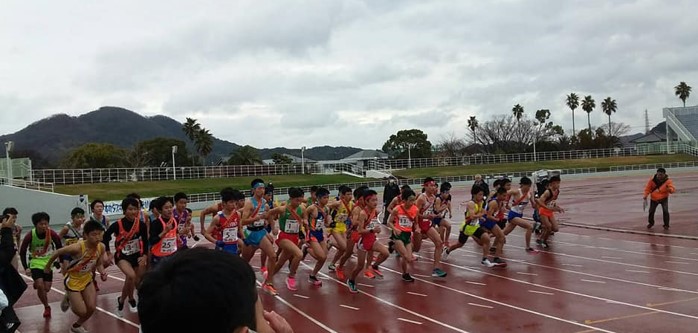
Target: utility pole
column 647, row 122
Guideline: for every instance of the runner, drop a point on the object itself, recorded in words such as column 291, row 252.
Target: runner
column 163, row 238
column 394, row 203
column 338, row 227
column 254, row 221
column 71, row 233
column 86, row 256
column 404, row 218
column 471, row 226
column 313, row 196
column 291, row 217
column 42, row 242
column 442, row 207
column 425, row 204
column 12, row 214
column 97, row 209
column 368, row 226
column 271, row 233
column 495, row 214
column 183, row 217
column 520, row 198
column 225, row 229
column 547, row 206
column 131, row 249
column 353, row 235
column 319, row 218
column 210, row 210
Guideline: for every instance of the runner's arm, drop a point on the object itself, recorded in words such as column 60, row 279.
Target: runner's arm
column 208, row 233
column 23, row 249
column 156, row 233
column 541, row 200
column 100, row 263
column 63, row 232
column 392, row 204
column 144, row 237
column 492, row 210
column 56, row 240
column 360, row 223
column 106, row 239
column 72, row 250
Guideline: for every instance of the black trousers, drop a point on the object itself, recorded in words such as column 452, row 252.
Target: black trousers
column 665, row 210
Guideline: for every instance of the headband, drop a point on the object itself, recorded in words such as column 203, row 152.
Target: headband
column 429, row 183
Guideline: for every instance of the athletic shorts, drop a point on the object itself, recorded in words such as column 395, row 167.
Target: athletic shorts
column 488, row 224
column 546, row 212
column 512, row 215
column 230, row 248
column 366, row 242
column 316, row 236
column 404, row 237
column 424, row 226
column 462, row 237
column 436, row 221
column 339, row 227
column 132, row 259
column 39, row 274
column 502, row 224
column 292, row 237
column 268, row 228
column 355, row 237
column 254, row 238
column 77, row 284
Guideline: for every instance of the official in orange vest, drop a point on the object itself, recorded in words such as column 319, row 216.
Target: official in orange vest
column 658, row 189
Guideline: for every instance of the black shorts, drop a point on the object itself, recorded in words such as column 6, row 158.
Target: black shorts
column 132, row 259
column 462, row 237
column 39, row 274
column 502, row 224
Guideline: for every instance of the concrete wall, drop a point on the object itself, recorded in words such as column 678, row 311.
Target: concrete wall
column 28, row 202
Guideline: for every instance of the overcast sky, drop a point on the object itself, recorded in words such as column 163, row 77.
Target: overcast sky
column 293, row 73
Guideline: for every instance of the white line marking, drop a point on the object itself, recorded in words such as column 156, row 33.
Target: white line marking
column 572, row 265
column 634, row 271
column 482, row 306
column 671, row 289
column 593, row 281
column 349, row 307
column 277, row 297
column 364, row 285
column 301, row 296
column 609, row 257
column 540, row 292
column 421, row 275
column 476, row 283
column 678, row 262
column 524, row 273
column 416, row 294
column 410, row 321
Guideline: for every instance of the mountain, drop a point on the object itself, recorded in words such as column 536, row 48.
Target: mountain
column 50, row 139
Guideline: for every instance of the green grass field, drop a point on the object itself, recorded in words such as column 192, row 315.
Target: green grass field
column 116, row 191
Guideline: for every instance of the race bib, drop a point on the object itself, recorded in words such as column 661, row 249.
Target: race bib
column 342, row 217
column 319, row 224
column 404, row 222
column 230, row 235
column 88, row 267
column 259, row 223
column 291, row 227
column 372, row 224
column 169, row 245
column 180, row 227
column 132, row 247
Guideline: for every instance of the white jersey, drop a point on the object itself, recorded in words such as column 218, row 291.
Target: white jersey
column 519, row 204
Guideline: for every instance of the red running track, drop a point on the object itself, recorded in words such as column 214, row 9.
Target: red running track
column 589, row 280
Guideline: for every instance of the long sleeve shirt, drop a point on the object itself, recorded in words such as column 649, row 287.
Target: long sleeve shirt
column 127, row 224
column 26, row 243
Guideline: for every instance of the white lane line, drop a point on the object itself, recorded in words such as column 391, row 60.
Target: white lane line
column 364, row 285
column 635, row 271
column 572, row 265
column 301, row 296
column 410, row 321
column 421, row 275
column 540, row 292
column 678, row 262
column 593, row 281
column 524, row 273
column 613, row 258
column 481, row 305
column 476, row 283
column 349, row 307
column 416, row 294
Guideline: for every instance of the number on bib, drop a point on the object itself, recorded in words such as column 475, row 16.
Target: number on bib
column 230, row 235
column 342, row 217
column 292, row 227
column 373, row 224
column 259, row 223
column 132, row 247
column 405, row 222
column 169, row 245
column 319, row 224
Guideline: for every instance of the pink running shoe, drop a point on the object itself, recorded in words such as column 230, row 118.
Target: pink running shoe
column 291, row 283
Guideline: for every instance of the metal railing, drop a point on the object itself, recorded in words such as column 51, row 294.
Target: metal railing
column 688, row 164
column 32, row 185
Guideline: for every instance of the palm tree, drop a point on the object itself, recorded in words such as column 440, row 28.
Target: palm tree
column 683, row 91
column 573, row 103
column 473, row 124
column 191, row 128
column 204, row 143
column 609, row 106
column 588, row 105
column 518, row 112
column 246, row 155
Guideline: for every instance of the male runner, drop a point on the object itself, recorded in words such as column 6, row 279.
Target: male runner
column 425, row 204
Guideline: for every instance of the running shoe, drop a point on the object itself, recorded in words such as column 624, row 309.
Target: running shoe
column 65, row 303
column 531, row 250
column 119, row 307
column 666, row 227
column 132, row 306
column 291, row 283
column 196, row 238
column 499, row 262
column 78, row 329
column 368, row 273
column 487, row 263
column 544, row 244
column 314, row 281
column 539, row 242
column 377, row 272
column 649, row 226
column 407, row 277
column 340, row 273
column 352, row 286
column 391, row 246
column 305, row 251
column 331, row 267
column 265, row 272
column 47, row 312
column 269, row 289
column 444, row 254
column 438, row 272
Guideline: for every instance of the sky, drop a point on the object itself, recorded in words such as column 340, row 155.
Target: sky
column 343, row 73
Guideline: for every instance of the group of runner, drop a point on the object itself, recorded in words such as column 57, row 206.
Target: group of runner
column 285, row 233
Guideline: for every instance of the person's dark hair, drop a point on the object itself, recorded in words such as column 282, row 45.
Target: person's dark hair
column 501, row 191
column 369, row 192
column 321, row 192
column 255, row 182
column 555, row 179
column 496, row 183
column 95, row 202
column 41, row 216
column 154, row 204
column 406, row 194
column 359, row 192
column 406, row 187
column 661, row 170
column 179, row 196
column 161, row 201
column 344, row 189
column 268, row 190
column 295, row 192
column 446, row 186
column 77, row 211
column 189, row 210
column 504, row 182
column 525, row 181
column 138, row 198
column 193, row 280
column 314, row 188
column 10, row 211
column 229, row 194
column 476, row 189
column 129, row 201
column 91, row 226
column 428, row 179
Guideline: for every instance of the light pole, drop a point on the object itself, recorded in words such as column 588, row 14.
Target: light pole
column 302, row 160
column 8, row 147
column 174, row 167
column 409, row 154
column 535, row 138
